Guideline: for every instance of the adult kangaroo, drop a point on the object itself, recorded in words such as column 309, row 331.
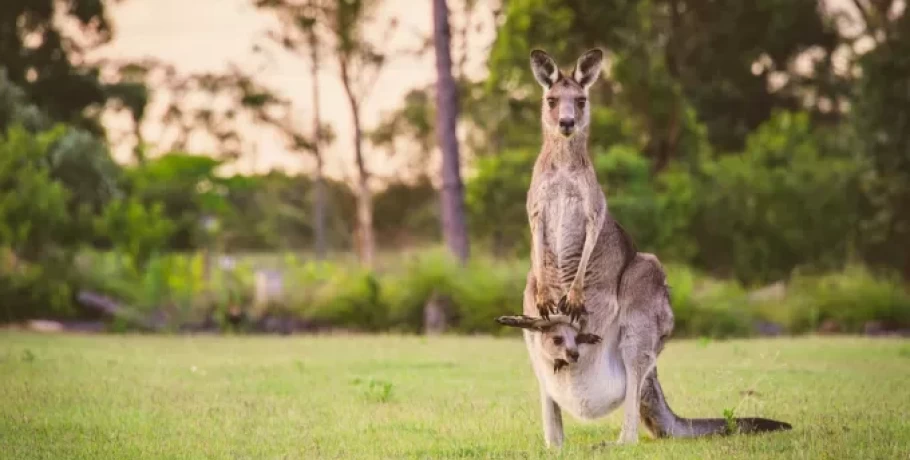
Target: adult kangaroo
column 609, row 303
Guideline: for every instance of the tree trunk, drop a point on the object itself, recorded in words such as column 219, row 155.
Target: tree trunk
column 319, row 184
column 366, row 241
column 139, row 151
column 453, row 215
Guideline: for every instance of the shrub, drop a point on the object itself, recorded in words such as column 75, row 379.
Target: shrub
column 31, row 290
column 703, row 306
column 339, row 294
column 351, row 300
column 850, row 298
column 478, row 292
column 787, row 201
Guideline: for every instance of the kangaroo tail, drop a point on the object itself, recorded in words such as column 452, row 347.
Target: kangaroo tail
column 663, row 423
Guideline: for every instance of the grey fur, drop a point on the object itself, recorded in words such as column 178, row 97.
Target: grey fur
column 585, row 267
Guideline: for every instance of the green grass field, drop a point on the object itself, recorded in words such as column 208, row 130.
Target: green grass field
column 129, row 397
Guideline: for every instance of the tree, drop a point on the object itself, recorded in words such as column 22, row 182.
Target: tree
column 41, row 58
column 301, row 31
column 360, row 64
column 343, row 24
column 880, row 117
column 77, row 158
column 319, row 136
column 454, row 229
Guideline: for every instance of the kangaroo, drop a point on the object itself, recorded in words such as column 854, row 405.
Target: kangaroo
column 598, row 350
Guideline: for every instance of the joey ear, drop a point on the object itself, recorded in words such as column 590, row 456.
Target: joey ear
column 524, row 322
column 588, row 67
column 544, row 67
column 587, row 338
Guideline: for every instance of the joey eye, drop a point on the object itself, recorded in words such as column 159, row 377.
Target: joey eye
column 557, row 341
column 551, row 101
column 581, row 102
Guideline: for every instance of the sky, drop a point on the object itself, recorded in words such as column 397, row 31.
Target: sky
column 209, row 35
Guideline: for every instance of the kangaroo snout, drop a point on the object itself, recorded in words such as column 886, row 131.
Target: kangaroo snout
column 566, row 125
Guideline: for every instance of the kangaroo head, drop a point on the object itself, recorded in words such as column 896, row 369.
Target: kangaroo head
column 565, row 99
column 558, row 337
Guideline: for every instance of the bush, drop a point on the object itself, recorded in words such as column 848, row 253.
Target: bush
column 495, row 200
column 31, row 290
column 477, row 292
column 850, row 298
column 655, row 210
column 349, row 299
column 340, row 294
column 785, row 202
column 707, row 307
column 172, row 285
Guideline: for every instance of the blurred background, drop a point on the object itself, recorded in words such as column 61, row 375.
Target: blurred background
column 288, row 166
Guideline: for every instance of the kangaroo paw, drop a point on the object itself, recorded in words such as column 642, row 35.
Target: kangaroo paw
column 572, row 304
column 545, row 306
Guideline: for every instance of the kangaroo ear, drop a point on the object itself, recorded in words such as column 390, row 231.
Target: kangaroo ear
column 588, row 67
column 544, row 67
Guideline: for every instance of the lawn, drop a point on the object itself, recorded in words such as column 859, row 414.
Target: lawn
column 129, row 397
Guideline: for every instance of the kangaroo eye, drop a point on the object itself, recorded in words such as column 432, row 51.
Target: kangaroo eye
column 581, row 102
column 551, row 101
column 557, row 340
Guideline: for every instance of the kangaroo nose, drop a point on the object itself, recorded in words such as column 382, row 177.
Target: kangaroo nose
column 566, row 123
column 572, row 355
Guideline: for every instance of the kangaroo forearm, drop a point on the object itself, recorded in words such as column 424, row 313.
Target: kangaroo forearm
column 592, row 230
column 537, row 248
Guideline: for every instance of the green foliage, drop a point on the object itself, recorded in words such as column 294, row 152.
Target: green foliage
column 375, row 390
column 707, row 307
column 850, row 299
column 30, row 289
column 724, row 57
column 419, row 278
column 407, row 214
column 730, row 421
column 782, row 203
column 53, row 179
column 32, row 203
column 655, row 210
column 43, row 52
column 188, row 189
column 349, row 299
column 474, row 293
column 881, row 118
column 338, row 294
column 495, row 199
column 135, row 229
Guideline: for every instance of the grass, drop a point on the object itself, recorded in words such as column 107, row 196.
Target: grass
column 130, row 397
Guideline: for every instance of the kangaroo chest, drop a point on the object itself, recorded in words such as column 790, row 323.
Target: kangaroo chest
column 562, row 208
